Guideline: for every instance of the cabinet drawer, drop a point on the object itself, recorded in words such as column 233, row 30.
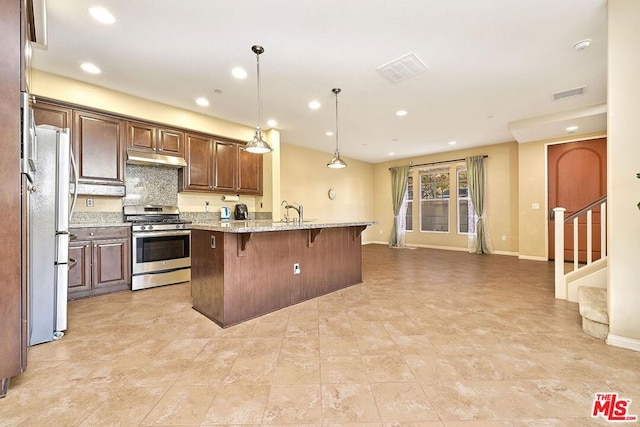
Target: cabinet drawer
column 91, row 233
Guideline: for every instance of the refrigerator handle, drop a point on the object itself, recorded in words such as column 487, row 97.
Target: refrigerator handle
column 74, row 167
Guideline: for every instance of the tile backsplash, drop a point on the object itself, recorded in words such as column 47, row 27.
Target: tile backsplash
column 151, row 185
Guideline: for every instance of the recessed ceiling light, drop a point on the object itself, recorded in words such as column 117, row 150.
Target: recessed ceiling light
column 218, row 91
column 329, row 133
column 314, row 105
column 572, row 128
column 203, row 102
column 272, row 123
column 239, row 73
column 582, row 44
column 102, row 15
column 401, row 113
column 392, row 154
column 90, row 68
column 452, row 143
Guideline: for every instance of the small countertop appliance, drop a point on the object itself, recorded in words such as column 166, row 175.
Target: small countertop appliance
column 225, row 213
column 241, row 212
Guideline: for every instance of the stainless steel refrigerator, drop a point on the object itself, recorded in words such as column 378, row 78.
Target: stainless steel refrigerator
column 50, row 209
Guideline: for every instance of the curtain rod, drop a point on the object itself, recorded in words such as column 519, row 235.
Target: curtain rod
column 440, row 162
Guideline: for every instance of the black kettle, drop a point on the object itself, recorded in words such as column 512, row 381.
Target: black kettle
column 241, row 212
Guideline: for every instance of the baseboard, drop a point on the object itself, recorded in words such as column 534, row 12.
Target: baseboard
column 375, row 242
column 508, row 253
column 445, row 248
column 623, row 342
column 442, row 248
column 533, row 258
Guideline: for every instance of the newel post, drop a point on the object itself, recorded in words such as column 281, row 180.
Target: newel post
column 561, row 287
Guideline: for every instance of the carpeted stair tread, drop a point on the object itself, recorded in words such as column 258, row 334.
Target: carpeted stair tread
column 593, row 304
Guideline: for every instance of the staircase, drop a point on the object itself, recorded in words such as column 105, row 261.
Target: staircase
column 584, row 283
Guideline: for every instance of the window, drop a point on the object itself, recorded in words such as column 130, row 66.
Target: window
column 466, row 213
column 409, row 201
column 434, row 200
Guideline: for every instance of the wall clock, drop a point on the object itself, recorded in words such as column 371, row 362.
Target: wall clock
column 332, row 193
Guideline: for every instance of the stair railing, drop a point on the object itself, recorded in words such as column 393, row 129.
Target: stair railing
column 559, row 222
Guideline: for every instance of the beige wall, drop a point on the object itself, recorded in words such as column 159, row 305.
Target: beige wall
column 306, row 179
column 502, row 199
column 624, row 163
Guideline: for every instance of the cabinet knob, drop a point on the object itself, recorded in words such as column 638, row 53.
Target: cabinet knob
column 90, row 234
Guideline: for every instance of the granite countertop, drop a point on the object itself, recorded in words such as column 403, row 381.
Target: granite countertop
column 252, row 226
column 99, row 224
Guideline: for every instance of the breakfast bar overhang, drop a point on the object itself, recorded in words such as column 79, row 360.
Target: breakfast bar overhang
column 244, row 269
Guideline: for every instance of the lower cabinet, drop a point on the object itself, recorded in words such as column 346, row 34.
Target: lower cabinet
column 99, row 261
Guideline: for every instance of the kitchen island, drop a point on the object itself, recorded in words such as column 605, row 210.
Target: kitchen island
column 243, row 269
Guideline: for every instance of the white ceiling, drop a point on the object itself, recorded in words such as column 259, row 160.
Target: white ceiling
column 491, row 63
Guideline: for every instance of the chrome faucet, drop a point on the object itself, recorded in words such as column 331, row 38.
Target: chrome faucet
column 286, row 213
column 298, row 209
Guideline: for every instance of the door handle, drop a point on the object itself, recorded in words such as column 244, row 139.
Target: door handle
column 213, row 242
column 552, row 215
column 72, row 263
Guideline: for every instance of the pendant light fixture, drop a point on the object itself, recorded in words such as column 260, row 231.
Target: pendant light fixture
column 257, row 144
column 336, row 162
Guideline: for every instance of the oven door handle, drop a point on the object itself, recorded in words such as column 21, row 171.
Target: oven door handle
column 161, row 233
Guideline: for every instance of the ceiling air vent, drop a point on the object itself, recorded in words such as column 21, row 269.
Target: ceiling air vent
column 569, row 93
column 404, row 67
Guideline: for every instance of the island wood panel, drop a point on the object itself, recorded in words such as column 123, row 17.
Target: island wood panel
column 261, row 279
column 207, row 273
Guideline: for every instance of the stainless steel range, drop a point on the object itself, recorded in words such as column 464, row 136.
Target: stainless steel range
column 161, row 246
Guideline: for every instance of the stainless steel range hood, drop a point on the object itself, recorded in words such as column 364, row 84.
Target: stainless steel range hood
column 142, row 158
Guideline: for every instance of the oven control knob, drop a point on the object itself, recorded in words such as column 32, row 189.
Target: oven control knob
column 180, row 226
column 142, row 227
column 150, row 227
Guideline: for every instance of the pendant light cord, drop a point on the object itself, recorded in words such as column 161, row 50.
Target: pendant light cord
column 258, row 50
column 259, row 101
column 336, row 92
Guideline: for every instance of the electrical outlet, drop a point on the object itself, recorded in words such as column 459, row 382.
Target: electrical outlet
column 296, row 268
column 89, row 203
column 504, row 238
column 206, row 206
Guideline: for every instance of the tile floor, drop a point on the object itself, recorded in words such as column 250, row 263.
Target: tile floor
column 430, row 338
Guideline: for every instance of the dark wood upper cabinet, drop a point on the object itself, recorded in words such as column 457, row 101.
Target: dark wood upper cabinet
column 226, row 166
column 150, row 138
column 98, row 142
column 50, row 114
column 230, row 168
column 141, row 136
column 249, row 172
column 198, row 174
column 171, row 142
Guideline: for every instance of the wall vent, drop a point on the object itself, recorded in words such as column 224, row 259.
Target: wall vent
column 569, row 93
column 402, row 68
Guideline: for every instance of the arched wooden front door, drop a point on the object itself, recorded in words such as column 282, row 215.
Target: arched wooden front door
column 577, row 175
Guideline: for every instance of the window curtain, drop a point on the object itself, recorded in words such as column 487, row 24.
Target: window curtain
column 480, row 241
column 398, row 194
